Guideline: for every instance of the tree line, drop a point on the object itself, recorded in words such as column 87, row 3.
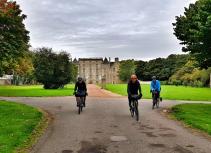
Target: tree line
column 41, row 65
column 193, row 29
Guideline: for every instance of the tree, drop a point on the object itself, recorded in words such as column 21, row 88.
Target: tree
column 51, row 69
column 193, row 29
column 74, row 72
column 13, row 34
column 163, row 68
column 127, row 68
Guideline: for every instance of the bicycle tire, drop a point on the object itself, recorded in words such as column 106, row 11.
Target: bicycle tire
column 79, row 109
column 133, row 108
column 132, row 112
column 157, row 103
column 136, row 110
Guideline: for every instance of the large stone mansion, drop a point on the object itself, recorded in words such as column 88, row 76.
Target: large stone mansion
column 98, row 70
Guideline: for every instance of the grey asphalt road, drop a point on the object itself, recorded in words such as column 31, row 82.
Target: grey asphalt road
column 105, row 126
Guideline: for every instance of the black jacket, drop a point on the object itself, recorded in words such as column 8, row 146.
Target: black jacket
column 80, row 86
column 133, row 88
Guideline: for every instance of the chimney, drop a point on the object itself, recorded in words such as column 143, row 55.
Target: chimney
column 116, row 59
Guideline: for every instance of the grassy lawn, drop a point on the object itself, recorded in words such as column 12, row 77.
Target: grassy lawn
column 17, row 123
column 34, row 91
column 194, row 115
column 168, row 92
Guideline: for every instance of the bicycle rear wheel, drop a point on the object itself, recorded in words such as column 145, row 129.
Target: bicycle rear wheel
column 79, row 109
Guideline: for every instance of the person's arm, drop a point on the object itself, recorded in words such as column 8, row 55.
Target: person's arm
column 85, row 87
column 151, row 87
column 140, row 92
column 159, row 86
column 76, row 86
column 128, row 89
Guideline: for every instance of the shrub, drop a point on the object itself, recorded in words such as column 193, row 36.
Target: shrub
column 51, row 69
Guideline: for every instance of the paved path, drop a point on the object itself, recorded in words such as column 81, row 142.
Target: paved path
column 105, row 126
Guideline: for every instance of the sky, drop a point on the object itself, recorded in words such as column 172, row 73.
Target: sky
column 138, row 29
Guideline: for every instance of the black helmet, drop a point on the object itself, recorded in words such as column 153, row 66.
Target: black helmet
column 80, row 78
column 154, row 78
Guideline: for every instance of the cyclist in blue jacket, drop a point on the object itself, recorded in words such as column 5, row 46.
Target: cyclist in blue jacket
column 155, row 86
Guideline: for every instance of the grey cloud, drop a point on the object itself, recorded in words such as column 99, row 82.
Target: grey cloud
column 128, row 29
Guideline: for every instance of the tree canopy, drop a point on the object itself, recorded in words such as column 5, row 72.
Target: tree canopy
column 51, row 69
column 126, row 68
column 193, row 29
column 14, row 37
column 163, row 68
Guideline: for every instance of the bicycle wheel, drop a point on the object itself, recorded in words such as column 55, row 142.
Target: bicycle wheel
column 79, row 106
column 132, row 109
column 157, row 103
column 136, row 110
column 79, row 109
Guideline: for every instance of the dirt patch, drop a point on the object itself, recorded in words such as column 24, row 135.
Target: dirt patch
column 114, row 126
column 180, row 149
column 166, row 129
column 98, row 132
column 150, row 134
column 146, row 127
column 190, row 146
column 67, row 151
column 168, row 135
column 157, row 145
column 88, row 147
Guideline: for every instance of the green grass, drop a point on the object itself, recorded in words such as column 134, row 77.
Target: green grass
column 34, row 91
column 17, row 123
column 168, row 92
column 194, row 115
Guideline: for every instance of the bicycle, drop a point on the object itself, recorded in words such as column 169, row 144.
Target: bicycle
column 81, row 101
column 155, row 99
column 81, row 105
column 134, row 106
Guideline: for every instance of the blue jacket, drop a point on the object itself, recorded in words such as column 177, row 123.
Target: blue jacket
column 155, row 86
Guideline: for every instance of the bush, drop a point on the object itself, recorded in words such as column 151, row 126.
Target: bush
column 51, row 69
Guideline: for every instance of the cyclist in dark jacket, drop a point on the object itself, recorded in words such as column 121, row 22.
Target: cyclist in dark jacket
column 80, row 90
column 133, row 88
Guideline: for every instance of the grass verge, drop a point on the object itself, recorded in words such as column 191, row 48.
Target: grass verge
column 167, row 92
column 35, row 91
column 194, row 115
column 20, row 127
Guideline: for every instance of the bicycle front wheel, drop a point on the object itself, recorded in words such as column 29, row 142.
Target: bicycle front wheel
column 136, row 111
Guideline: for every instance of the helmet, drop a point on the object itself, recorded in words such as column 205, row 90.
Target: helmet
column 154, row 78
column 80, row 78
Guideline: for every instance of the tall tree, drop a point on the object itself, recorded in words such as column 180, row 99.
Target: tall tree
column 127, row 68
column 193, row 29
column 14, row 37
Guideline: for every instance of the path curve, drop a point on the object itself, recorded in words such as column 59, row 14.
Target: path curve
column 105, row 126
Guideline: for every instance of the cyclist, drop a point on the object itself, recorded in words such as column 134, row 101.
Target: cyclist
column 133, row 88
column 80, row 90
column 155, row 86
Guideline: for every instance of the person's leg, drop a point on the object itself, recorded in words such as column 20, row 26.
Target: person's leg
column 77, row 100
column 129, row 102
column 84, row 101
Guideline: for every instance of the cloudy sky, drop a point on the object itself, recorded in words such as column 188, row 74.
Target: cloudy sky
column 140, row 29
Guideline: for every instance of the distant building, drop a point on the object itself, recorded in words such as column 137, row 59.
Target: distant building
column 98, row 70
column 6, row 80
